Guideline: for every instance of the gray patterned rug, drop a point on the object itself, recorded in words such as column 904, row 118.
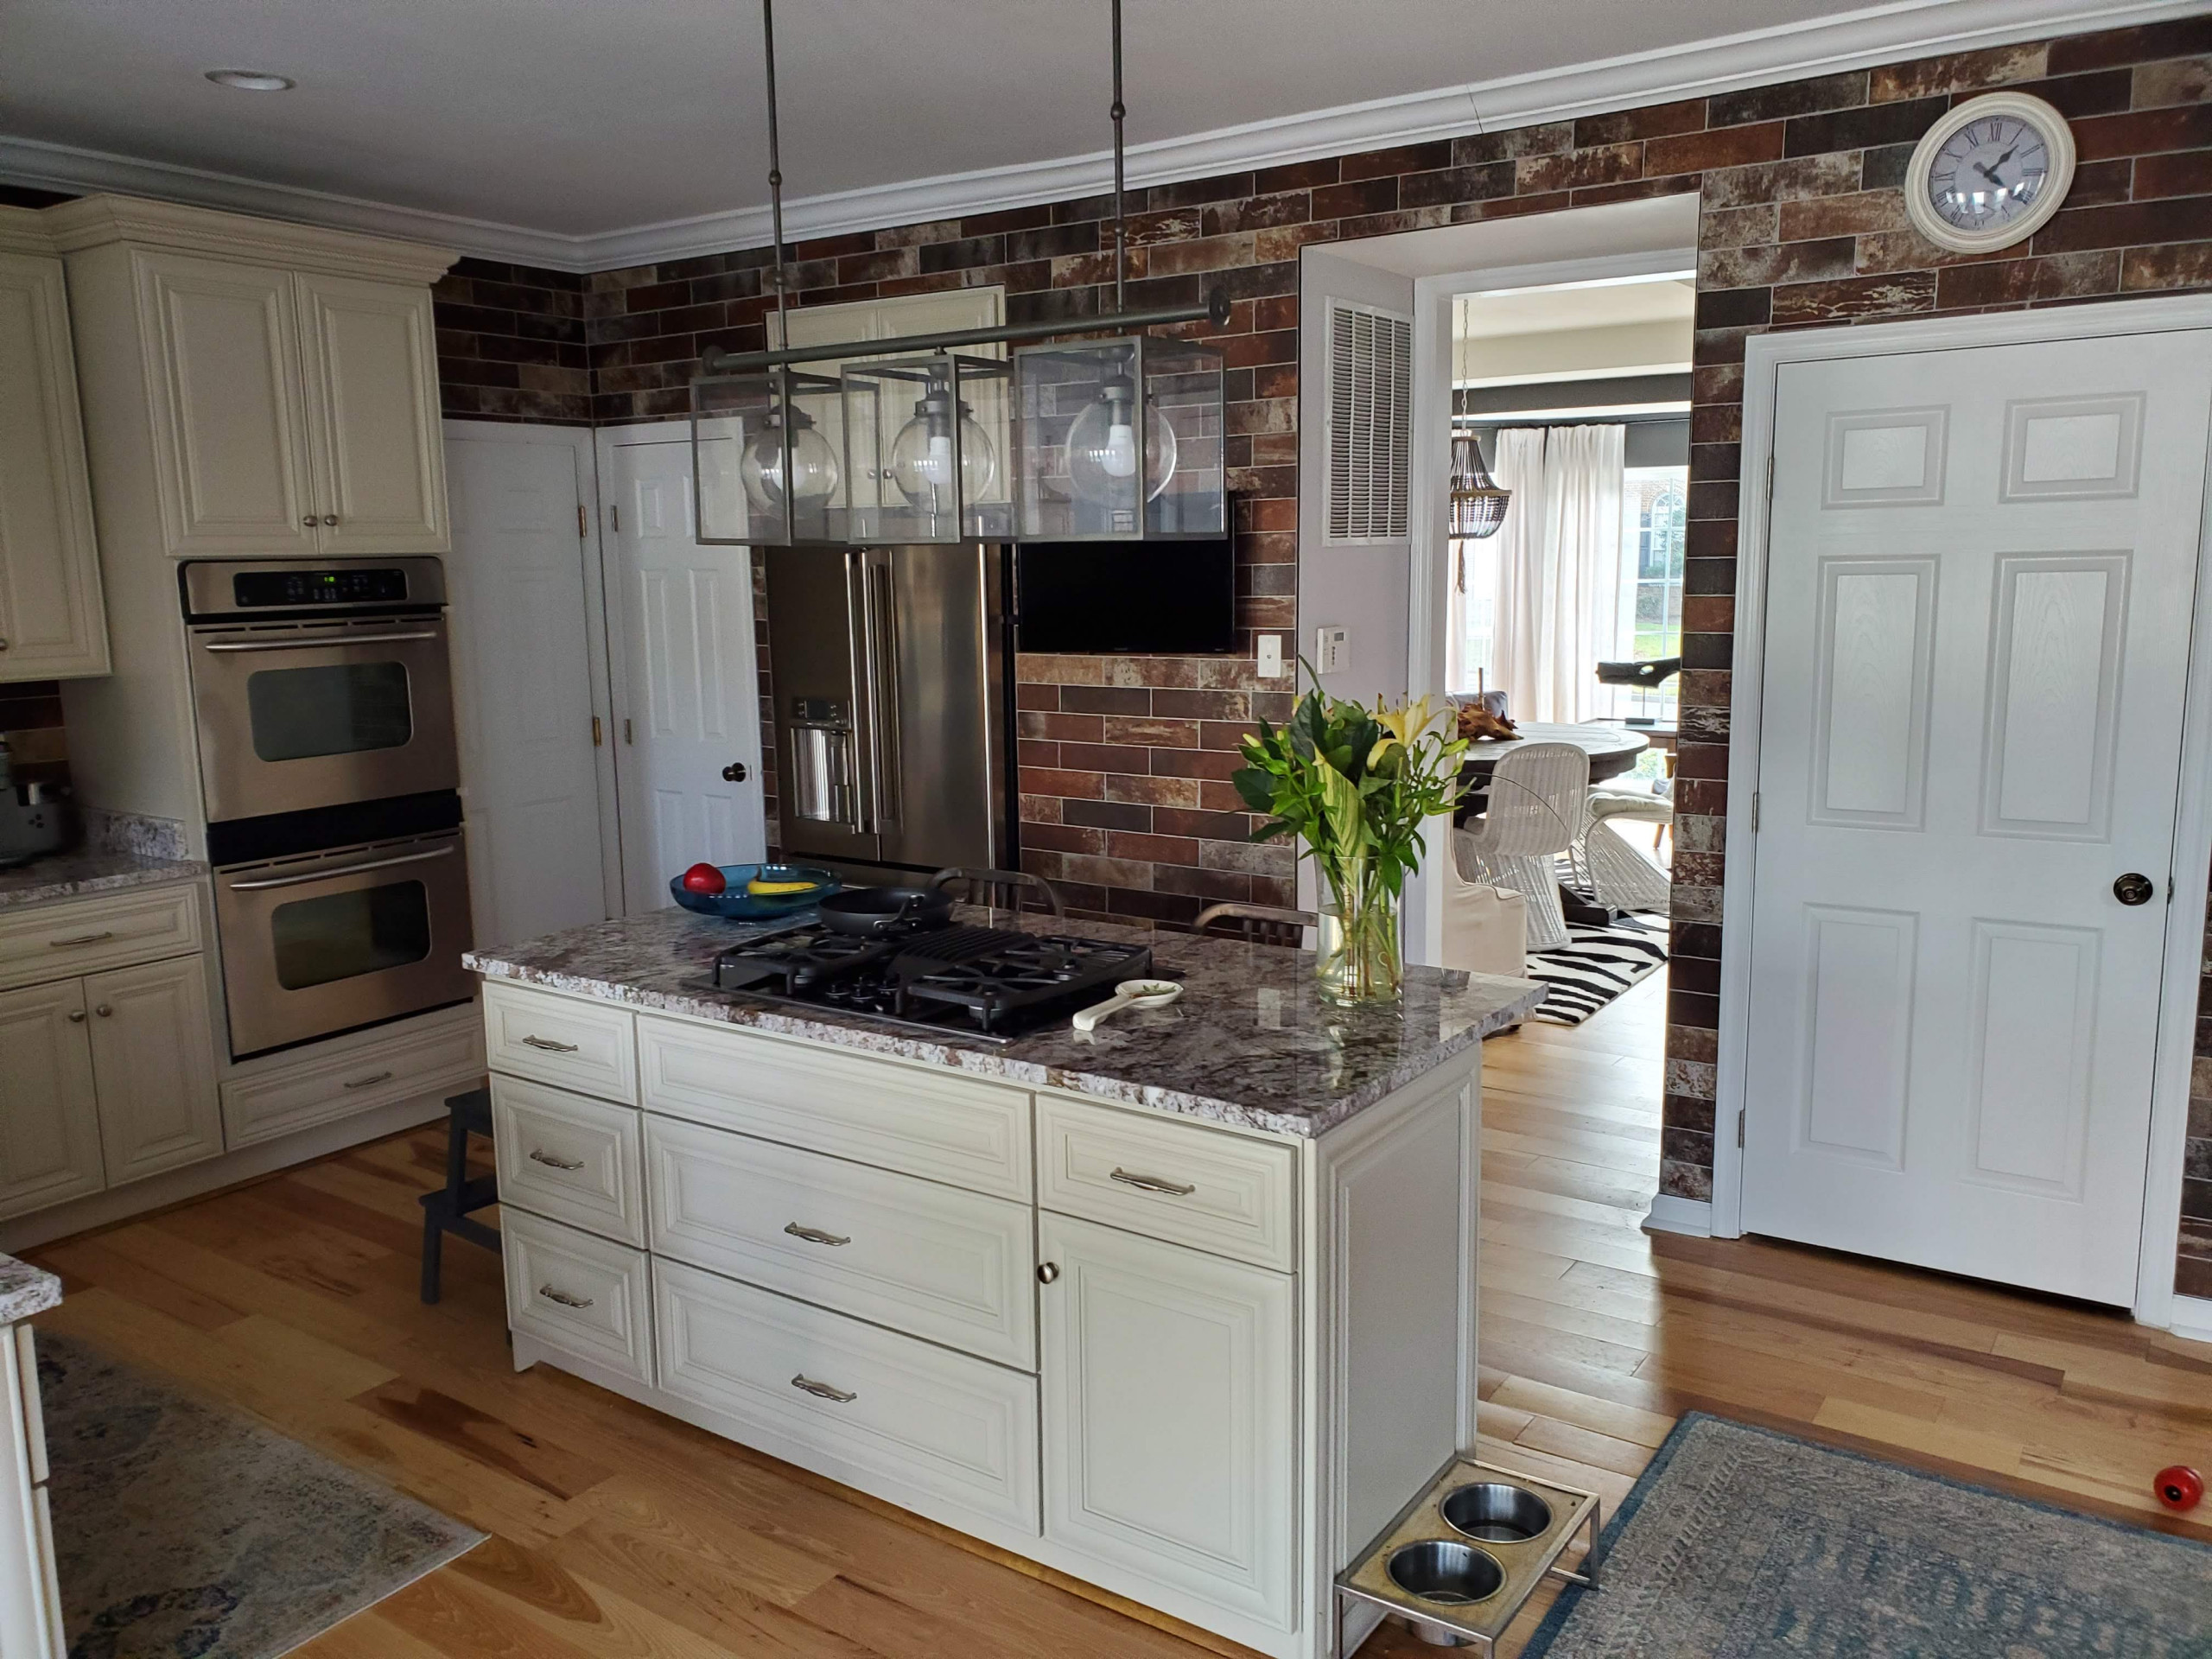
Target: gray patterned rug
column 185, row 1531
column 1738, row 1542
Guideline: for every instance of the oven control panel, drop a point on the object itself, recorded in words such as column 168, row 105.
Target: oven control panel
column 295, row 589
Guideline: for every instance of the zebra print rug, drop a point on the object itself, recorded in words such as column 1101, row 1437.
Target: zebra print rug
column 1596, row 965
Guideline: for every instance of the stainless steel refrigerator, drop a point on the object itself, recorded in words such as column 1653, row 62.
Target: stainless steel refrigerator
column 894, row 705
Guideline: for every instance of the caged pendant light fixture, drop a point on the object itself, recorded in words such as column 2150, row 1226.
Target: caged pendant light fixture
column 1478, row 501
column 1120, row 438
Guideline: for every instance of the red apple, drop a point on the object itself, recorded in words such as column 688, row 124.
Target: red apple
column 703, row 878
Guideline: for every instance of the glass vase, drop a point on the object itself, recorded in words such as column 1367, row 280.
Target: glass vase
column 1359, row 958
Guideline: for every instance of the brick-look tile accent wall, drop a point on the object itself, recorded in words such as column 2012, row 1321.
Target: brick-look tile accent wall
column 30, row 719
column 1802, row 223
column 511, row 344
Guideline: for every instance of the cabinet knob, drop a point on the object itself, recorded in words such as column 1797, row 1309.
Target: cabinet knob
column 76, row 1016
column 309, row 521
column 329, row 518
column 3, row 645
column 103, row 1010
column 1047, row 1272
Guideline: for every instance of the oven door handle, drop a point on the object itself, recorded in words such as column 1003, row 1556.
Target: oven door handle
column 318, row 644
column 307, row 876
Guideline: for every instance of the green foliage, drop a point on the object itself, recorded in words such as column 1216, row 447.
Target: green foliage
column 1352, row 782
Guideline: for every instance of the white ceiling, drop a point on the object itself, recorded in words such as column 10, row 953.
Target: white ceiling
column 573, row 122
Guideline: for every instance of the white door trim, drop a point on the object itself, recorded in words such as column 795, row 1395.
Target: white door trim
column 578, row 439
column 2192, row 871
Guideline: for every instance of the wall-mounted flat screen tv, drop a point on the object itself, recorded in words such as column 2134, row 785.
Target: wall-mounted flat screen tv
column 1127, row 598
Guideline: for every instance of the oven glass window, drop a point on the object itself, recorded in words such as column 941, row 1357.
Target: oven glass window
column 345, row 935
column 299, row 713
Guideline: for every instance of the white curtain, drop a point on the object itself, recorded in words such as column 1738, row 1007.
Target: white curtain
column 1558, row 567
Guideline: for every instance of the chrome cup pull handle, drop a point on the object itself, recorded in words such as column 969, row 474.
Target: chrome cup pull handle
column 549, row 1044
column 814, row 1235
column 805, row 1384
column 562, row 1297
column 539, row 1155
column 1153, row 1183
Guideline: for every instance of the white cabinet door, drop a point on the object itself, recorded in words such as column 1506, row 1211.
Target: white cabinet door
column 154, row 1058
column 52, row 625
column 229, row 429
column 370, row 367
column 50, row 1132
column 1170, row 1414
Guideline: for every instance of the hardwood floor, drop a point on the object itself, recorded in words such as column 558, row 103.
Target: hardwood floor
column 617, row 1532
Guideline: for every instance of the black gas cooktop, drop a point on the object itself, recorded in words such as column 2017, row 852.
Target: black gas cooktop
column 969, row 981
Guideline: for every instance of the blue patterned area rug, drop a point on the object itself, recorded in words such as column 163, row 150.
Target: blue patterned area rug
column 182, row 1530
column 1740, row 1542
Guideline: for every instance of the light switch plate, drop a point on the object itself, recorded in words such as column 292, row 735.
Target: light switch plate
column 1271, row 666
column 1331, row 650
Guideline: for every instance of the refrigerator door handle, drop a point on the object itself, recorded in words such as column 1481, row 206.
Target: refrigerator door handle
column 860, row 646
column 880, row 635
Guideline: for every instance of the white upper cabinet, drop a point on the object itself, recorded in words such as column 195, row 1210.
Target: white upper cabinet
column 229, row 427
column 52, row 625
column 372, row 372
column 255, row 388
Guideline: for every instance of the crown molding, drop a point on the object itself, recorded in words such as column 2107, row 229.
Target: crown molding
column 95, row 220
column 1852, row 40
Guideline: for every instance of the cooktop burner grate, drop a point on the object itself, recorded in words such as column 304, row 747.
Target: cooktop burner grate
column 972, row 982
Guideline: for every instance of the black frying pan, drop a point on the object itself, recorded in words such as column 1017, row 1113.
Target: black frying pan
column 873, row 912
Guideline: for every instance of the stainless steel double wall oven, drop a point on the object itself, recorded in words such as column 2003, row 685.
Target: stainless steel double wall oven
column 323, row 698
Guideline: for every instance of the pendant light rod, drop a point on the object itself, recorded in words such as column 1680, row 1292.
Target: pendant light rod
column 1121, row 219
column 776, row 161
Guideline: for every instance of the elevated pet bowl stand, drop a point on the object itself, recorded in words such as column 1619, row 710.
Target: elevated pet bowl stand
column 1462, row 1559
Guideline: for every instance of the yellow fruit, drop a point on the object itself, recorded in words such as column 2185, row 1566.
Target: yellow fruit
column 771, row 889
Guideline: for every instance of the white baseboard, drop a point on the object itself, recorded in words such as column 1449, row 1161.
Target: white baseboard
column 2192, row 1318
column 158, row 1191
column 1690, row 1216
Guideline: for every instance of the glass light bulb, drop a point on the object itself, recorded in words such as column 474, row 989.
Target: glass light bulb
column 921, row 463
column 814, row 467
column 1102, row 454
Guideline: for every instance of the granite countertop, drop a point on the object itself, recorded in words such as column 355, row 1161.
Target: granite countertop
column 25, row 1290
column 72, row 875
column 1249, row 1043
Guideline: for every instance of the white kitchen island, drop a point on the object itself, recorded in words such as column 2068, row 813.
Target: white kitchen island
column 1185, row 1311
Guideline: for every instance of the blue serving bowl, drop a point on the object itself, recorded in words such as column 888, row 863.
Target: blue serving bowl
column 735, row 902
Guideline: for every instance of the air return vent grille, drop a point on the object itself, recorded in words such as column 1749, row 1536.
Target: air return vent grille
column 1370, row 423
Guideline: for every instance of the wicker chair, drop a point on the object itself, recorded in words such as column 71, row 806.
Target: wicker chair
column 1257, row 923
column 1000, row 889
column 1619, row 876
column 1536, row 813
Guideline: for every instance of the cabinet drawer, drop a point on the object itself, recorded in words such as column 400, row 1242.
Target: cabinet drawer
column 942, row 1126
column 1176, row 1181
column 570, row 1157
column 882, row 1412
column 933, row 1260
column 578, row 1293
column 591, row 1047
column 441, row 1051
column 85, row 935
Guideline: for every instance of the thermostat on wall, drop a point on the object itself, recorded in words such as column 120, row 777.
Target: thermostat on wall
column 1331, row 650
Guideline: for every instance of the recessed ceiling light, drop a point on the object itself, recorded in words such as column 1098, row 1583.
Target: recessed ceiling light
column 252, row 80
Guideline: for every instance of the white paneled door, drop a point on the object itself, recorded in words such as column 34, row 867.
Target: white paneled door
column 1982, row 567
column 531, row 706
column 687, row 698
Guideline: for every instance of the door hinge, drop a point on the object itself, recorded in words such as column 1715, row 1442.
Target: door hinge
column 1740, row 1128
column 595, row 738
column 584, row 523
column 1755, row 811
column 614, row 517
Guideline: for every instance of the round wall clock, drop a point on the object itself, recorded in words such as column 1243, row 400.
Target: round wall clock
column 1991, row 173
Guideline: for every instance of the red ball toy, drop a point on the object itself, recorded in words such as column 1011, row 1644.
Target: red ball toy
column 2179, row 1488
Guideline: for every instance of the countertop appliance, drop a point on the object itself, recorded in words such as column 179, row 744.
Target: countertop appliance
column 894, row 703
column 323, row 699
column 978, row 982
column 34, row 823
